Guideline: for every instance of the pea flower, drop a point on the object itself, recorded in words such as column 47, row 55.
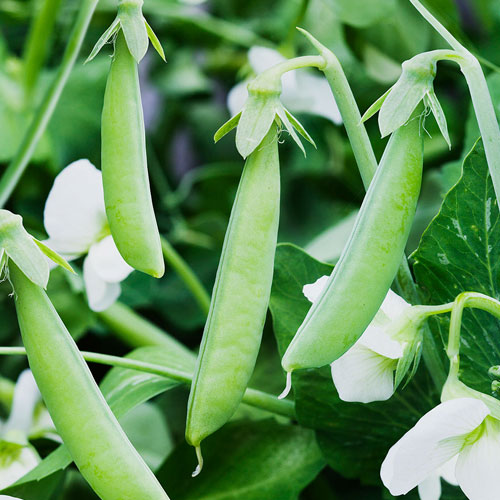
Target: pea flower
column 374, row 366
column 303, row 92
column 75, row 220
column 17, row 455
column 464, row 433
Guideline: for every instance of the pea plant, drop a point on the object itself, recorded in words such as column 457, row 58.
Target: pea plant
column 188, row 317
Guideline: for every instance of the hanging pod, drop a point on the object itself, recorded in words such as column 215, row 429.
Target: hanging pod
column 127, row 195
column 240, row 296
column 370, row 260
column 90, row 431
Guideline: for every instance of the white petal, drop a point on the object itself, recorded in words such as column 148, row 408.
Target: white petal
column 447, row 471
column 314, row 290
column 74, row 215
column 236, row 97
column 436, row 438
column 477, row 465
column 376, row 339
column 15, row 462
column 262, row 58
column 107, row 261
column 394, row 305
column 430, row 488
column 362, row 375
column 311, row 94
column 100, row 294
column 26, row 395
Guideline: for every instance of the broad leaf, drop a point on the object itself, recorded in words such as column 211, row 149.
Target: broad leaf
column 247, row 460
column 460, row 251
column 354, row 437
column 361, row 13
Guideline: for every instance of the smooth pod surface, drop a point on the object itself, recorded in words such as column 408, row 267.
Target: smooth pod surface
column 127, row 195
column 90, row 431
column 240, row 297
column 370, row 260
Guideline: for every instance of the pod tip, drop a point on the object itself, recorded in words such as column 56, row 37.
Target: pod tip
column 199, row 456
column 288, row 386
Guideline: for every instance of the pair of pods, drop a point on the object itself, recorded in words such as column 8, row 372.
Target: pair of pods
column 83, row 419
column 240, row 296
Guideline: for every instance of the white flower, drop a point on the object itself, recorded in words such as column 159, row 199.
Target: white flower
column 17, row 456
column 365, row 373
column 75, row 220
column 462, row 429
column 303, row 92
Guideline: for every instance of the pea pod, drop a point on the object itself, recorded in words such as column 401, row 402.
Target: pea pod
column 370, row 260
column 240, row 297
column 127, row 195
column 90, row 431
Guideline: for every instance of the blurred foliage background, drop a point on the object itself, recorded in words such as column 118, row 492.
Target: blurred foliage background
column 194, row 181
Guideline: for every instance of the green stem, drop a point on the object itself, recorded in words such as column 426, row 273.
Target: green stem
column 42, row 116
column 439, row 27
column 38, row 41
column 289, row 65
column 136, row 331
column 251, row 397
column 481, row 99
column 186, row 274
column 287, row 46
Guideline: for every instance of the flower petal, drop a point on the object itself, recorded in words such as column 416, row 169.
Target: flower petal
column 376, row 339
column 477, row 465
column 430, row 488
column 311, row 94
column 74, row 215
column 107, row 262
column 237, row 97
column 15, row 462
column 364, row 376
column 394, row 305
column 26, row 395
column 447, row 471
column 100, row 294
column 436, row 438
column 312, row 291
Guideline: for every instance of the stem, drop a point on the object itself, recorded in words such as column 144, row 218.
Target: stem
column 186, row 274
column 136, row 331
column 439, row 27
column 481, row 99
column 289, row 65
column 251, row 397
column 38, row 41
column 41, row 119
column 486, row 117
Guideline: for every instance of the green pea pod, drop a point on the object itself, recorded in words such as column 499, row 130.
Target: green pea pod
column 240, row 297
column 90, row 431
column 370, row 260
column 124, row 167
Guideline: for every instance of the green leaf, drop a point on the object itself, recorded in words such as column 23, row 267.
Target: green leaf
column 45, row 489
column 354, row 437
column 247, row 460
column 361, row 13
column 104, row 38
column 460, row 251
column 375, row 106
column 432, row 102
column 146, row 428
column 154, row 40
column 256, row 119
column 21, row 248
column 134, row 29
column 300, row 128
column 227, row 127
column 53, row 256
